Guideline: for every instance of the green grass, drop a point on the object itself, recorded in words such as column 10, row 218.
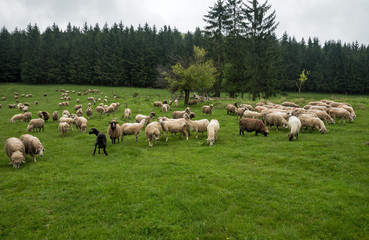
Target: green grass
column 243, row 187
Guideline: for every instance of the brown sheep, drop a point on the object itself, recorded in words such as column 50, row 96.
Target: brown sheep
column 251, row 125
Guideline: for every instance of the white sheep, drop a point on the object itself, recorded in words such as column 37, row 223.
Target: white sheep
column 313, row 122
column 340, row 113
column 153, row 131
column 212, row 130
column 323, row 115
column 79, row 112
column 37, row 124
column 33, row 145
column 132, row 129
column 17, row 117
column 295, row 125
column 127, row 113
column 16, row 151
column 174, row 126
column 139, row 117
column 276, row 119
column 109, row 109
column 55, row 116
column 197, row 126
column 251, row 114
column 63, row 128
column 180, row 114
column 207, row 109
column 81, row 123
column 69, row 120
column 176, row 102
column 99, row 109
column 27, row 116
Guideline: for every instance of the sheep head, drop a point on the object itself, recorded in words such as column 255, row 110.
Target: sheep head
column 17, row 158
column 113, row 124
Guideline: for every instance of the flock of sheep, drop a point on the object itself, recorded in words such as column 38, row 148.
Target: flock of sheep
column 252, row 119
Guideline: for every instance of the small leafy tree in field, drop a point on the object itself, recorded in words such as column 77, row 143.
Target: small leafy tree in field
column 302, row 79
column 199, row 75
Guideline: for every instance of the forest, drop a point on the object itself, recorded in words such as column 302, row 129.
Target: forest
column 121, row 55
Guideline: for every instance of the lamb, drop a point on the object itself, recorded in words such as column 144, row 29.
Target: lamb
column 158, row 104
column 127, row 113
column 99, row 109
column 114, row 131
column 340, row 113
column 33, row 145
column 276, row 119
column 295, row 125
column 101, row 140
column 81, row 123
column 250, row 125
column 212, row 130
column 45, row 115
column 132, row 129
column 16, row 151
column 63, row 128
column 17, row 117
column 313, row 122
column 37, row 124
column 27, row 116
column 180, row 114
column 166, row 107
column 89, row 113
column 55, row 116
column 174, row 126
column 251, row 114
column 207, row 109
column 153, row 130
column 197, row 126
column 139, row 117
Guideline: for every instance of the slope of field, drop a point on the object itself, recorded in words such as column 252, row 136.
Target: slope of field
column 243, row 187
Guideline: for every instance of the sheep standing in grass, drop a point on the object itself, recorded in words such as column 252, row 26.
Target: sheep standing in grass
column 101, row 140
column 76, row 107
column 231, row 108
column 323, row 115
column 139, row 117
column 276, row 119
column 180, row 114
column 132, row 129
column 55, row 116
column 27, row 116
column 79, row 112
column 313, row 122
column 99, row 109
column 212, row 129
column 69, row 120
column 45, row 115
column 33, row 145
column 81, row 123
column 295, row 125
column 63, row 128
column 37, row 124
column 340, row 113
column 251, row 114
column 176, row 102
column 197, row 126
column 16, row 151
column 158, row 104
column 17, row 117
column 89, row 113
column 153, row 131
column 114, row 131
column 251, row 125
column 174, row 126
column 127, row 113
column 207, row 109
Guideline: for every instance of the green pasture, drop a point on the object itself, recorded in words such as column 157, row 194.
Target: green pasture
column 243, row 187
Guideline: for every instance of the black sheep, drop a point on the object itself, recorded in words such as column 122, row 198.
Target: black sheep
column 101, row 140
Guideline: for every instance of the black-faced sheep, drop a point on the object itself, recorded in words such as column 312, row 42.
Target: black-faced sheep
column 101, row 140
column 45, row 115
column 114, row 131
column 212, row 129
column 16, row 151
column 37, row 124
column 251, row 125
column 33, row 145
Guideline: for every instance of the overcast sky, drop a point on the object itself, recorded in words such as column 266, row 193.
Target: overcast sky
column 326, row 19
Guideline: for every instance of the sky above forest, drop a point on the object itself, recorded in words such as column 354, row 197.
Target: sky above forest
column 326, row 19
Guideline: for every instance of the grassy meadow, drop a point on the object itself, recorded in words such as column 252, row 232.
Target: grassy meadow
column 243, row 187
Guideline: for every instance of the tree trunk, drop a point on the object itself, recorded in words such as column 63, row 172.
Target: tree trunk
column 253, row 97
column 187, row 96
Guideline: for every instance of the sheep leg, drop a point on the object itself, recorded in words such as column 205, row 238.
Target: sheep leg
column 256, row 133
column 297, row 136
column 95, row 150
column 105, row 152
column 166, row 138
column 137, row 137
column 312, row 129
column 196, row 135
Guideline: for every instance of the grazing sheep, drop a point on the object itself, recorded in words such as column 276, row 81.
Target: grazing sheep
column 127, row 113
column 16, row 151
column 17, row 117
column 275, row 119
column 76, row 107
column 27, row 116
column 99, row 109
column 45, row 115
column 109, row 110
column 37, row 124
column 197, row 126
column 231, row 108
column 290, row 104
column 313, row 122
column 340, row 113
column 65, row 113
column 139, row 117
column 158, row 104
column 63, row 128
column 250, row 125
column 174, row 126
column 39, row 114
column 132, row 129
column 164, row 108
column 114, row 131
column 33, row 145
column 45, row 94
column 101, row 140
column 79, row 112
column 193, row 102
column 180, row 114
column 176, row 102
column 251, row 114
column 323, row 115
column 350, row 109
column 212, row 129
column 295, row 125
column 239, row 112
column 55, row 116
column 35, row 102
column 207, row 109
column 248, row 106
column 81, row 123
column 25, row 108
column 69, row 120
column 153, row 131
column 11, row 106
column 89, row 113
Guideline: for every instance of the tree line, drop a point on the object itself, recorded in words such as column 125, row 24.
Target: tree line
column 239, row 37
